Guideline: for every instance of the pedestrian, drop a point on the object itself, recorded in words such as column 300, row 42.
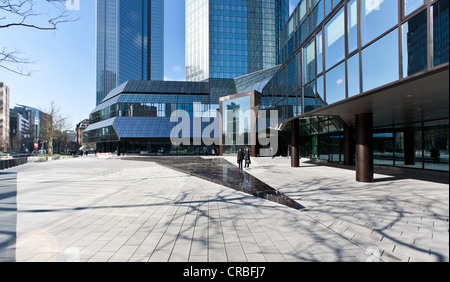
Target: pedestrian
column 435, row 154
column 247, row 158
column 240, row 158
column 271, row 152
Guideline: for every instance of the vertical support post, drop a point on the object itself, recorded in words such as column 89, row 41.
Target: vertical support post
column 295, row 158
column 364, row 147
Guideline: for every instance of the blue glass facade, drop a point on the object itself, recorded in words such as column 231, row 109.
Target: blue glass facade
column 129, row 42
column 335, row 52
column 228, row 39
column 327, row 60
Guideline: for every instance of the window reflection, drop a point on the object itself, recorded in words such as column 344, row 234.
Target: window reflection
column 335, row 84
column 309, row 63
column 414, row 37
column 440, row 32
column 352, row 25
column 353, row 75
column 412, row 5
column 380, row 62
column 377, row 16
column 335, row 40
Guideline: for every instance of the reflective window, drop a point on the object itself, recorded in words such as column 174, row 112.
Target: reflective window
column 383, row 146
column 334, row 40
column 414, row 41
column 328, row 7
column 318, row 14
column 380, row 62
column 320, row 93
column 319, row 52
column 412, row 5
column 335, row 84
column 353, row 75
column 440, row 32
column 352, row 25
column 309, row 62
column 436, row 145
column 377, row 16
column 310, row 100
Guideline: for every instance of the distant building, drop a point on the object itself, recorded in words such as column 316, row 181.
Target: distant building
column 229, row 39
column 81, row 127
column 34, row 120
column 18, row 132
column 4, row 117
column 130, row 42
column 71, row 135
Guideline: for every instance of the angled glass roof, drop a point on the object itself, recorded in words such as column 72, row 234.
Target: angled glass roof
column 159, row 87
column 255, row 81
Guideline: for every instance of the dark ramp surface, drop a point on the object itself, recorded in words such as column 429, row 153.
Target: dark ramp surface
column 220, row 171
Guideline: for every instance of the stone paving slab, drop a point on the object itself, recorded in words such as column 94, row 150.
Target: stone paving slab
column 404, row 218
column 89, row 209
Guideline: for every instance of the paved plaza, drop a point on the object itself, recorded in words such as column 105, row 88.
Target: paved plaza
column 90, row 209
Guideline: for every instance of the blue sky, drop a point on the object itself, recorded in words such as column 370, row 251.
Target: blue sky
column 65, row 61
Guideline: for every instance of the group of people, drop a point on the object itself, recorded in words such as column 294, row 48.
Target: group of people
column 243, row 155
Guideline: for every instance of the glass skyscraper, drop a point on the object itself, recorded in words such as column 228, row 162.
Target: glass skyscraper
column 228, row 39
column 130, row 42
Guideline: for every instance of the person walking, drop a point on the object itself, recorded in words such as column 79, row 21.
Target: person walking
column 247, row 158
column 240, row 158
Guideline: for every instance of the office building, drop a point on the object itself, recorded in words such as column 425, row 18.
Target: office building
column 18, row 132
column 229, row 39
column 32, row 126
column 4, row 117
column 365, row 83
column 130, row 42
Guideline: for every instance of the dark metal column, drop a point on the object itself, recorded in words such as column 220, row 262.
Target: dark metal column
column 295, row 161
column 118, row 148
column 409, row 145
column 364, row 147
column 349, row 145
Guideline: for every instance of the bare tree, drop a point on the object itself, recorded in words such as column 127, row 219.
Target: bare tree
column 34, row 14
column 52, row 125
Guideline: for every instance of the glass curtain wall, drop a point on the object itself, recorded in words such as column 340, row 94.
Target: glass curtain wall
column 421, row 145
column 228, row 39
column 130, row 43
column 346, row 48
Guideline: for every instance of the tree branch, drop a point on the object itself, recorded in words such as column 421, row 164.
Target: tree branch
column 34, row 14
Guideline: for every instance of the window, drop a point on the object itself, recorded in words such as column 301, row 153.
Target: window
column 319, row 52
column 412, row 5
column 377, row 16
column 335, row 84
column 440, row 32
column 380, row 62
column 414, row 44
column 353, row 75
column 334, row 40
column 309, row 70
column 352, row 25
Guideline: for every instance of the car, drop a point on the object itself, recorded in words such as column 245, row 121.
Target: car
column 5, row 157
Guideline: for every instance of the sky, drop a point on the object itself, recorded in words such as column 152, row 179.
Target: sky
column 64, row 61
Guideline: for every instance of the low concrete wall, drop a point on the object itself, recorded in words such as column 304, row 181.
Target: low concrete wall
column 37, row 159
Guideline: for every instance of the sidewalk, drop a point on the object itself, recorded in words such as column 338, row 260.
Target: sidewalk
column 89, row 209
column 406, row 219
